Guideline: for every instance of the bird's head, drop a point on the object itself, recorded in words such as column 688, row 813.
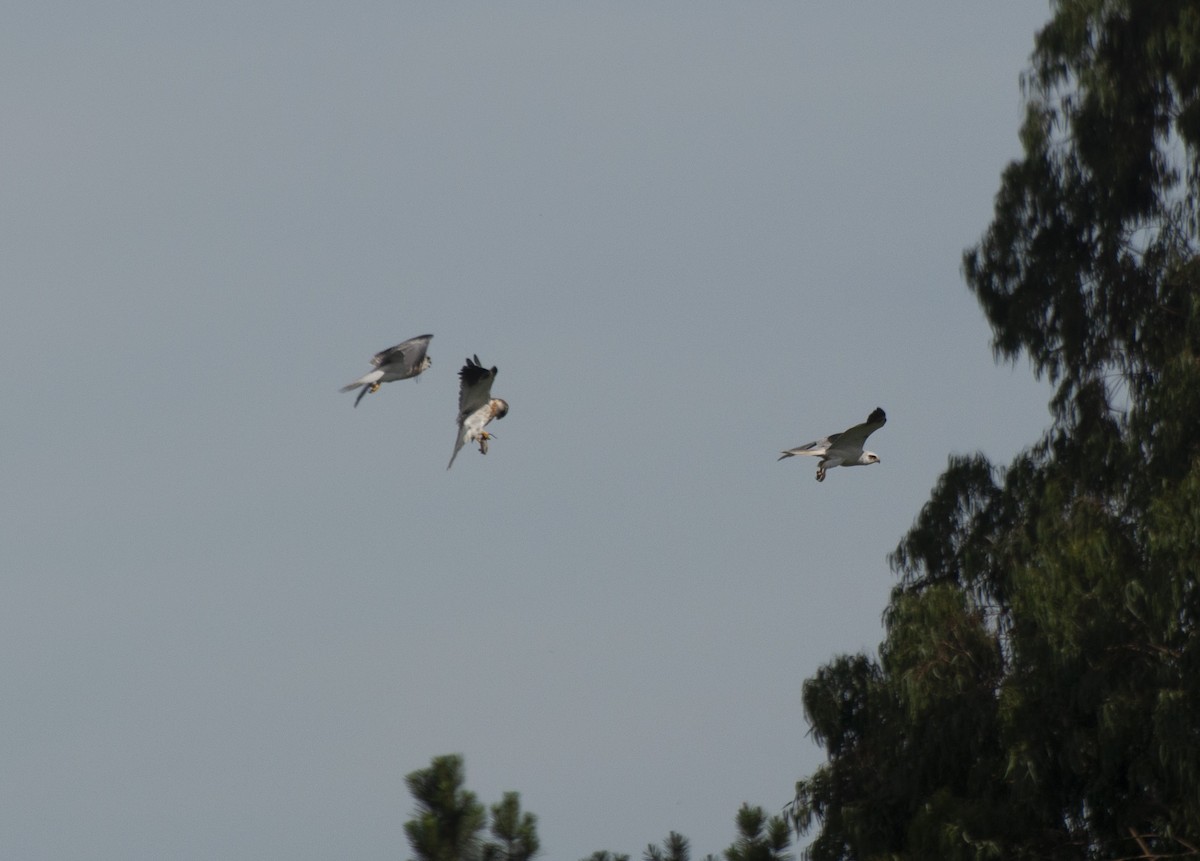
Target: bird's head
column 425, row 363
column 499, row 408
column 869, row 457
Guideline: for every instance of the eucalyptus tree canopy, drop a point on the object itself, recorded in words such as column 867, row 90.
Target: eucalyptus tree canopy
column 1037, row 694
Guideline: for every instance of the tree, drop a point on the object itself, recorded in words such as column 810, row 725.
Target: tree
column 448, row 821
column 515, row 831
column 446, row 824
column 674, row 848
column 1037, row 694
column 760, row 838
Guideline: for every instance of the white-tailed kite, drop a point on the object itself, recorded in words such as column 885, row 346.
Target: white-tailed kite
column 476, row 406
column 395, row 363
column 845, row 448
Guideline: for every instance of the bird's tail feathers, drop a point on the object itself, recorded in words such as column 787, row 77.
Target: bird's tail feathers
column 364, row 380
column 792, row 452
column 458, row 444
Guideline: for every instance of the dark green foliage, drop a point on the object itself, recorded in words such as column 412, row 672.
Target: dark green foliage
column 515, row 832
column 674, row 848
column 760, row 838
column 1079, row 268
column 446, row 824
column 448, row 821
column 1038, row 691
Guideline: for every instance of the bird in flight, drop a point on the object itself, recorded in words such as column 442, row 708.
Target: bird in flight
column 395, row 363
column 843, row 449
column 476, row 406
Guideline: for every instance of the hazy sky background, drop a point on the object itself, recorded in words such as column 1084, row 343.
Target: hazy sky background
column 237, row 611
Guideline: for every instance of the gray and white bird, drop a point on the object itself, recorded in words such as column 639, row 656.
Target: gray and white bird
column 476, row 406
column 395, row 363
column 843, row 449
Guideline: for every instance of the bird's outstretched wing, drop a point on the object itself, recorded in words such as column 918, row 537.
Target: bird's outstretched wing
column 474, row 388
column 853, row 439
column 407, row 356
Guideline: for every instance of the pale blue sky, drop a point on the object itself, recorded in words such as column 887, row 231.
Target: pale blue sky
column 237, row 611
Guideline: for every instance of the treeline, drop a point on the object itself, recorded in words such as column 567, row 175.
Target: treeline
column 450, row 824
